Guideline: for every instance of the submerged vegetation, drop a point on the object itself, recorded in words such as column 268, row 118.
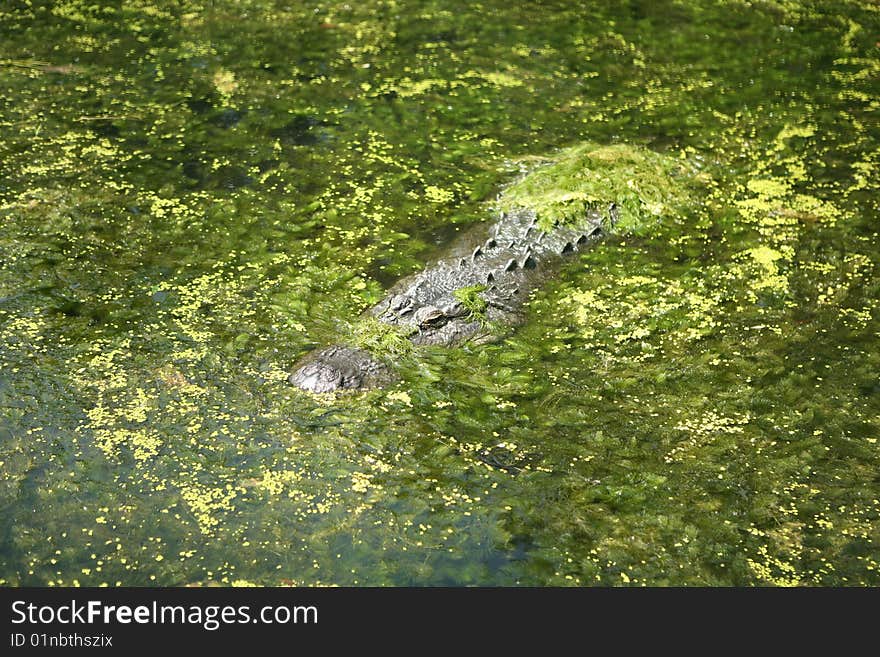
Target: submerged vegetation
column 388, row 341
column 643, row 186
column 193, row 194
column 470, row 299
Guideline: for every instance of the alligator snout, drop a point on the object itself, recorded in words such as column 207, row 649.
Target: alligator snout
column 339, row 368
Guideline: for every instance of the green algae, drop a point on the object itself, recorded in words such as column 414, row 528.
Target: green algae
column 189, row 202
column 644, row 186
column 386, row 341
column 470, row 299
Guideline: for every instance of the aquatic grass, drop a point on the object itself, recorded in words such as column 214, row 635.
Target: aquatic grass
column 643, row 185
column 470, row 299
column 383, row 340
column 694, row 406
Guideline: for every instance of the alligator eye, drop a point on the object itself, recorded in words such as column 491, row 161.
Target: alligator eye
column 428, row 315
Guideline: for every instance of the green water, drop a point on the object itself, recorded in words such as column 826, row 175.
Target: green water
column 194, row 194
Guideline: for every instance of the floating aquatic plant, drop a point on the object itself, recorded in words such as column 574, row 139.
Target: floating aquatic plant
column 644, row 186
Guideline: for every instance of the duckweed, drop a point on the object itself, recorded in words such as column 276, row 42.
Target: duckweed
column 194, row 194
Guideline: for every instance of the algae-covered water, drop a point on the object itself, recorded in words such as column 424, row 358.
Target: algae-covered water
column 195, row 194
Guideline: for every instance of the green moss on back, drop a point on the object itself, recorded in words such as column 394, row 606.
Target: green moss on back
column 470, row 298
column 644, row 185
column 380, row 339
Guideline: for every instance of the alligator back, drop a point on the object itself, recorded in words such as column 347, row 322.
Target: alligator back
column 504, row 263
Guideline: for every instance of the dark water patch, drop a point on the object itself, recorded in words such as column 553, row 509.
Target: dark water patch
column 302, row 130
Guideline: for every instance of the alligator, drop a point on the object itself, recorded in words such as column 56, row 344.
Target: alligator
column 485, row 278
column 481, row 283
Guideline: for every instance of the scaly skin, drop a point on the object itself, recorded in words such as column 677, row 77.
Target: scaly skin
column 512, row 260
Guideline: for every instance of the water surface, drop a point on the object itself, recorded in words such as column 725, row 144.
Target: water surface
column 194, row 194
